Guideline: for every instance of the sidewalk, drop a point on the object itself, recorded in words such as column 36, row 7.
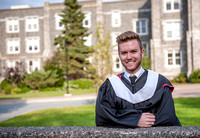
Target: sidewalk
column 49, row 99
column 180, row 90
column 186, row 90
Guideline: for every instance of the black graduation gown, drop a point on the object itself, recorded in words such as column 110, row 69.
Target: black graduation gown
column 113, row 111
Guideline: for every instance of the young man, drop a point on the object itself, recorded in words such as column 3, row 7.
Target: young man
column 136, row 97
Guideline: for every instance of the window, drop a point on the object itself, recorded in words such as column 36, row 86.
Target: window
column 141, row 26
column 117, row 64
column 58, row 19
column 114, row 36
column 12, row 64
column 33, row 65
column 116, row 19
column 32, row 45
column 88, row 41
column 32, row 24
column 146, row 49
column 172, row 5
column 173, row 57
column 172, row 30
column 12, row 25
column 87, row 20
column 13, row 46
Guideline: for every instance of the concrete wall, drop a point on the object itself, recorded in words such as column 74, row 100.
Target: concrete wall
column 95, row 132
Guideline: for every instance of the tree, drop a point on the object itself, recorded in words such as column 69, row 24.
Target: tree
column 56, row 63
column 40, row 79
column 72, row 39
column 102, row 55
column 15, row 74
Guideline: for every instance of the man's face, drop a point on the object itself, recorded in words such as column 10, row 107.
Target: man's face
column 131, row 55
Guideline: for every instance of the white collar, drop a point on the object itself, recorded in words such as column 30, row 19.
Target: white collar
column 137, row 74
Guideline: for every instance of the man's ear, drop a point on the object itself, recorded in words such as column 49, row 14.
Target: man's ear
column 142, row 52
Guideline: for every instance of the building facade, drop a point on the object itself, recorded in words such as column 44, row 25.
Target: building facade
column 169, row 30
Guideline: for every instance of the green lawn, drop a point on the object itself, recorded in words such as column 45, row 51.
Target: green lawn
column 187, row 110
column 66, row 116
column 47, row 94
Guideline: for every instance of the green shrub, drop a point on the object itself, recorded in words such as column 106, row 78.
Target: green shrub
column 8, row 89
column 23, row 88
column 81, row 84
column 39, row 79
column 15, row 90
column 195, row 76
column 181, row 78
column 4, row 83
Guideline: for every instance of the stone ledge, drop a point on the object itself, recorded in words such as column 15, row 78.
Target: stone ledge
column 78, row 132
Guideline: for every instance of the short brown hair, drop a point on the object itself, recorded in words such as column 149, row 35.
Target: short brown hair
column 129, row 35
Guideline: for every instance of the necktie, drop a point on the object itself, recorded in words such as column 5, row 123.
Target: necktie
column 133, row 78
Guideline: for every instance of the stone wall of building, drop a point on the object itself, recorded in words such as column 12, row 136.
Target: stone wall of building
column 130, row 11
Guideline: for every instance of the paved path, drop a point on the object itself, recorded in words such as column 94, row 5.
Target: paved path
column 15, row 107
column 186, row 90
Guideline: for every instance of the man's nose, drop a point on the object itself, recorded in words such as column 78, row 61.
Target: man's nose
column 129, row 56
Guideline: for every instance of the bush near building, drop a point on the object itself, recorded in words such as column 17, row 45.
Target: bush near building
column 195, row 76
column 181, row 78
column 39, row 79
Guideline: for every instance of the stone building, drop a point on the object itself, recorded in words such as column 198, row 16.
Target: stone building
column 169, row 29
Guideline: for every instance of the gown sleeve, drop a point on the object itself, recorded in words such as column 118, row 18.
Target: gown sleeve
column 162, row 104
column 164, row 109
column 109, row 114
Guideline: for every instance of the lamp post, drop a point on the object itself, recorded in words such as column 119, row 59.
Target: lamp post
column 67, row 69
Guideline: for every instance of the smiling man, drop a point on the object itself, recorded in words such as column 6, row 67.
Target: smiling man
column 136, row 97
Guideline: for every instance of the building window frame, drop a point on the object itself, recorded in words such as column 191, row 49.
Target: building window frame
column 12, row 25
column 32, row 44
column 32, row 23
column 117, row 66
column 146, row 49
column 87, row 19
column 12, row 63
column 13, row 46
column 116, row 18
column 172, row 6
column 58, row 24
column 32, row 65
column 140, row 26
column 88, row 40
column 172, row 30
column 114, row 36
column 173, row 58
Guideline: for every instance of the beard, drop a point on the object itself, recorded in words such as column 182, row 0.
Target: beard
column 134, row 68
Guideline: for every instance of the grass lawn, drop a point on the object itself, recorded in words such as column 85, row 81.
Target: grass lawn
column 47, row 94
column 187, row 110
column 66, row 116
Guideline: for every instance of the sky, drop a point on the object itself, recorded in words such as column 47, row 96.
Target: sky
column 6, row 4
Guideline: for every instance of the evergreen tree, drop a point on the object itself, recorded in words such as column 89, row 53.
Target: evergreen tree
column 72, row 39
column 102, row 56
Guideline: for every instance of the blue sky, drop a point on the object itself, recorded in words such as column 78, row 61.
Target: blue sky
column 5, row 4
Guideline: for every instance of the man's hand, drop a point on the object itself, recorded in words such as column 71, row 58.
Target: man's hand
column 146, row 120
